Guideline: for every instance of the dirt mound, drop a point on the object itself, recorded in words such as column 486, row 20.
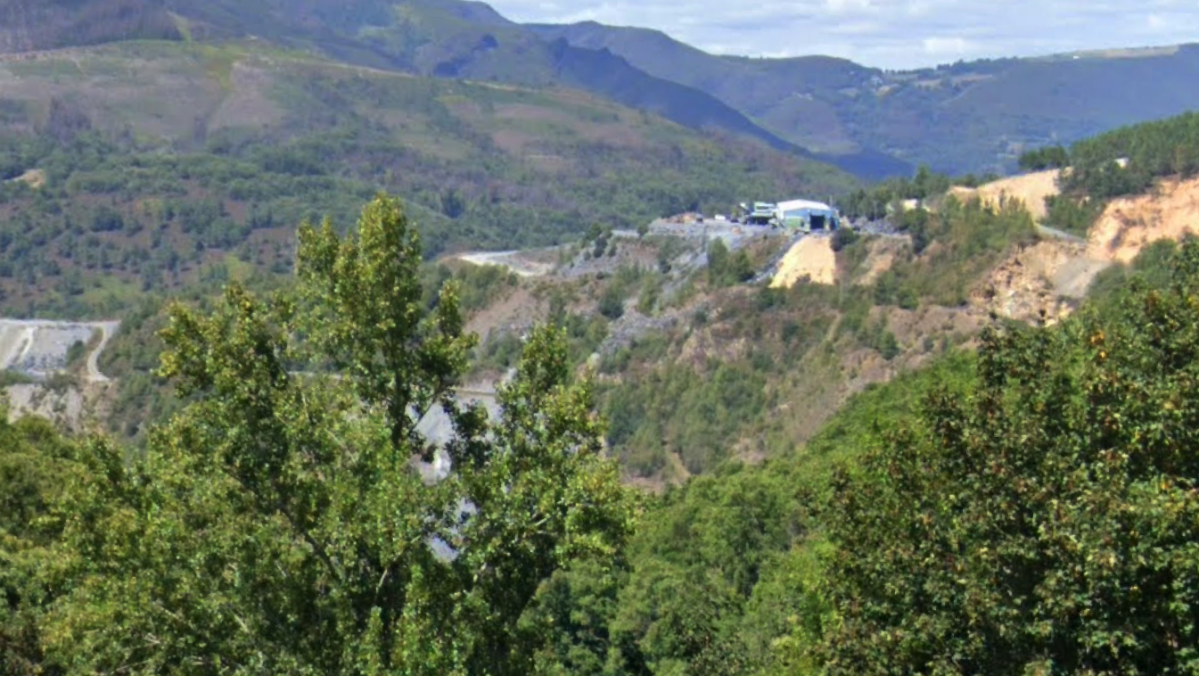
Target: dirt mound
column 1031, row 189
column 1130, row 224
column 1041, row 280
column 811, row 258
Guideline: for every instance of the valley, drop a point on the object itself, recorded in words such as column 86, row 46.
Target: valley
column 808, row 320
column 398, row 337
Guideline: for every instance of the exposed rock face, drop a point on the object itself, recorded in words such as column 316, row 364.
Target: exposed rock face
column 1029, row 189
column 1127, row 225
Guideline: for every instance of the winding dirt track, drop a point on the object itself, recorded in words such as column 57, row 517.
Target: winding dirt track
column 40, row 347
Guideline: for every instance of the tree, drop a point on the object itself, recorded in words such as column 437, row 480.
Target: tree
column 611, row 302
column 277, row 524
column 726, row 268
column 33, row 460
column 1049, row 157
column 1047, row 521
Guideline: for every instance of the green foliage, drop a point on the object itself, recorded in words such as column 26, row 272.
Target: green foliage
column 1073, row 214
column 1152, row 150
column 14, row 378
column 479, row 286
column 844, row 237
column 696, row 415
column 873, row 203
column 969, row 239
column 276, row 523
column 611, row 302
column 1153, row 266
column 726, row 268
column 1049, row 157
column 1044, row 521
column 35, row 462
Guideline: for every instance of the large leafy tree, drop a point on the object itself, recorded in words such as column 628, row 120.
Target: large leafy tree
column 277, row 525
column 1048, row 522
column 34, row 458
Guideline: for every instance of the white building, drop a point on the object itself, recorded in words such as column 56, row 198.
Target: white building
column 807, row 215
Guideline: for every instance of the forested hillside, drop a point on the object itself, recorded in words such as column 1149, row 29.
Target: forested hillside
column 951, row 519
column 158, row 165
column 966, row 117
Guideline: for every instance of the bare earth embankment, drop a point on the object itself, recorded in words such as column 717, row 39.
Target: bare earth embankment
column 1030, row 189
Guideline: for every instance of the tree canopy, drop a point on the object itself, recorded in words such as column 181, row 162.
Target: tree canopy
column 277, row 524
column 1046, row 522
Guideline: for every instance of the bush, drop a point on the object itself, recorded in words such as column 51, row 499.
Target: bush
column 611, row 303
column 844, row 237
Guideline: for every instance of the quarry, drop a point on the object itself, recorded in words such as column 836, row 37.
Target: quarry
column 39, row 348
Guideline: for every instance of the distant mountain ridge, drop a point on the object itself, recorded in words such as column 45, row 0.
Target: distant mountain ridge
column 973, row 116
column 966, row 117
column 438, row 38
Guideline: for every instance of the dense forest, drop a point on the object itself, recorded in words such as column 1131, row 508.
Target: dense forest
column 1127, row 161
column 1026, row 507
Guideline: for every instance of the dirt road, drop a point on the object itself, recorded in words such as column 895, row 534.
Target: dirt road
column 513, row 260
column 39, row 347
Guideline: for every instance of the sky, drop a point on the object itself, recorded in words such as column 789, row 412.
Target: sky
column 891, row 34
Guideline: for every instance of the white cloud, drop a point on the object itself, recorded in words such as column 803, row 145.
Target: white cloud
column 887, row 33
column 946, row 46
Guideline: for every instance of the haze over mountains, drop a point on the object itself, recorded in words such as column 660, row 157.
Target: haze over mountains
column 968, row 117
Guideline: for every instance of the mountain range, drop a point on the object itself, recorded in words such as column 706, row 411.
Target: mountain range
column 959, row 118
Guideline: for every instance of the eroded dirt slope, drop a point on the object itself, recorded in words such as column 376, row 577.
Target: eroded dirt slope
column 1030, row 189
column 1130, row 224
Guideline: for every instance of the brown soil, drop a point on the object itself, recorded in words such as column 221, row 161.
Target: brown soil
column 518, row 309
column 1030, row 189
column 883, row 252
column 1041, row 281
column 1130, row 224
column 811, row 258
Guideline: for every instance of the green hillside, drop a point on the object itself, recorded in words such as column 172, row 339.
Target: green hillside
column 148, row 165
column 436, row 38
column 1025, row 508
